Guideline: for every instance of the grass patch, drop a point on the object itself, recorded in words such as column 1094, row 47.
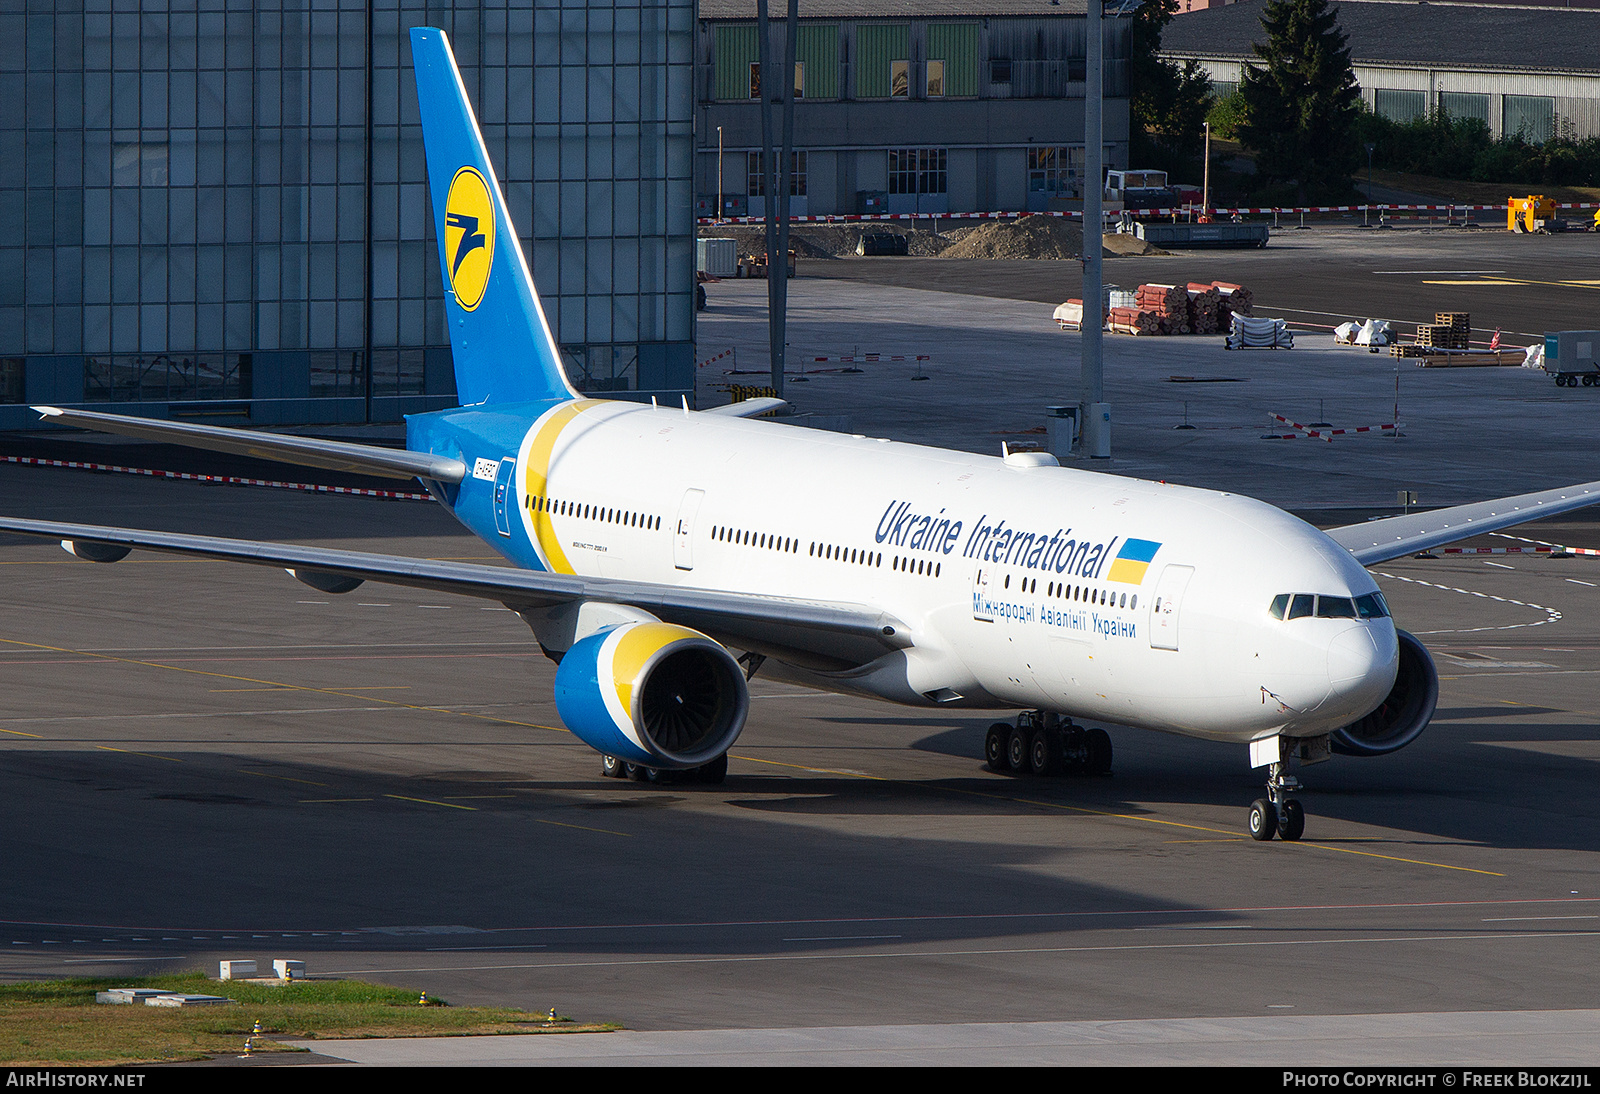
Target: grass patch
column 58, row 1021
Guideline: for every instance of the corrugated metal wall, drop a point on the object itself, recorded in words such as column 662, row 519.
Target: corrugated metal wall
column 818, row 49
column 956, row 44
column 735, row 50
column 878, row 46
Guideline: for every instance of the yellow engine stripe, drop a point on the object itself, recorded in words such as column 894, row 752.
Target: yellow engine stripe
column 637, row 646
column 537, row 481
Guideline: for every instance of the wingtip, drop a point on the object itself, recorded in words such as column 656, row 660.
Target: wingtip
column 49, row 411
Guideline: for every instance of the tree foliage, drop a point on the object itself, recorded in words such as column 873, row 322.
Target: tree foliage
column 1301, row 103
column 1463, row 148
column 1167, row 101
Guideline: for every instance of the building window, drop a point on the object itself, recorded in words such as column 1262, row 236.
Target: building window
column 916, row 171
column 1460, row 105
column 11, row 374
column 1000, row 70
column 1054, row 171
column 935, row 79
column 138, row 164
column 1532, row 116
column 899, row 79
column 756, row 179
column 799, row 79
column 1399, row 106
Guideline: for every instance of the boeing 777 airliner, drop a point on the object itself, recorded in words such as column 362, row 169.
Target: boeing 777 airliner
column 661, row 584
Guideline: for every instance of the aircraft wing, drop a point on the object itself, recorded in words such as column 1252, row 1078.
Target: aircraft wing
column 363, row 459
column 1381, row 540
column 816, row 634
column 749, row 408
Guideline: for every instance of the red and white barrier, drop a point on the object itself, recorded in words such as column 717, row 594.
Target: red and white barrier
column 873, row 358
column 1242, row 210
column 1516, row 551
column 231, row 480
column 725, row 353
column 1330, row 434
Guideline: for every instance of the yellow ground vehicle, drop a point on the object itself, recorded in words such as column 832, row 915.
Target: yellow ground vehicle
column 1530, row 214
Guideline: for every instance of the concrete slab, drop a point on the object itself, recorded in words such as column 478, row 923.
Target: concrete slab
column 1494, row 1039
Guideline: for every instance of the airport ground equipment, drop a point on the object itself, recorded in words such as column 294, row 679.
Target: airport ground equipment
column 717, row 257
column 1570, row 356
column 1532, row 215
column 1243, row 234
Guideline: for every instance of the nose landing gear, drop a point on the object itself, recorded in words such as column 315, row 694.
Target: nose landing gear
column 1278, row 814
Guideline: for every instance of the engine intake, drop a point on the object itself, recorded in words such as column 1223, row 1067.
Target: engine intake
column 653, row 693
column 1404, row 712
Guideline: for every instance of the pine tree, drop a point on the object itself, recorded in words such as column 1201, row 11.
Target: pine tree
column 1301, row 105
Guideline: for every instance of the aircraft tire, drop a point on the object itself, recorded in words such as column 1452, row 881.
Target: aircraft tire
column 657, row 776
column 1099, row 762
column 1263, row 820
column 634, row 772
column 1017, row 750
column 994, row 746
column 1044, row 752
column 713, row 772
column 612, row 768
column 1293, row 823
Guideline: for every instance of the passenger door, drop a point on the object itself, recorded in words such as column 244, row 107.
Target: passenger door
column 683, row 532
column 1164, row 609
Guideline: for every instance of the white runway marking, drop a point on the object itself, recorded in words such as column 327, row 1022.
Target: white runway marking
column 1551, row 615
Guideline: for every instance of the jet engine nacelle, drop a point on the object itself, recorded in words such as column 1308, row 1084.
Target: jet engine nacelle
column 653, row 693
column 1403, row 714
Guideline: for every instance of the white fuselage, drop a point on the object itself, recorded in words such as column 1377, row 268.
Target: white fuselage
column 1013, row 582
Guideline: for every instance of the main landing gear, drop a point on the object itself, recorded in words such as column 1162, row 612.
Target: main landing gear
column 1278, row 814
column 714, row 772
column 1041, row 742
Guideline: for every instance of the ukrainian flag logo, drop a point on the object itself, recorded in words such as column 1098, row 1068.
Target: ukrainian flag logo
column 1133, row 560
column 469, row 236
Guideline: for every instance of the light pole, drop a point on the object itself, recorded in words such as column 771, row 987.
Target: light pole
column 1205, row 185
column 719, row 175
column 1096, row 426
column 1364, row 212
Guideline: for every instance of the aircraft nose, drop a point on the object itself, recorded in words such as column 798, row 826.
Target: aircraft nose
column 1363, row 660
column 1352, row 656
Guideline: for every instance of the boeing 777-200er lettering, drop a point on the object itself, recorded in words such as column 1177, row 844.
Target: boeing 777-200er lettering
column 918, row 575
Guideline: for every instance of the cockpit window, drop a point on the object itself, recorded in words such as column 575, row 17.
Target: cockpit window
column 1335, row 607
column 1302, row 605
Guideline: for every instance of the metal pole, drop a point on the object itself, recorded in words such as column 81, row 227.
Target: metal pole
column 1097, row 418
column 769, row 186
column 779, row 270
column 720, row 204
column 1205, row 187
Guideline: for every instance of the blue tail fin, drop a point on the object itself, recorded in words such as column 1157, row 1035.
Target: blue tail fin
column 503, row 349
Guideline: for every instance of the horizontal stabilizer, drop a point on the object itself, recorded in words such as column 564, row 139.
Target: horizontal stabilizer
column 1394, row 537
column 359, row 459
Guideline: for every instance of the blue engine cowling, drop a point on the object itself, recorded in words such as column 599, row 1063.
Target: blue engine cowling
column 1404, row 713
column 655, row 694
